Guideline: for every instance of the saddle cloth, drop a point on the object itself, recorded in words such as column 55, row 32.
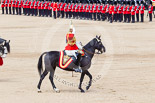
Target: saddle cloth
column 65, row 60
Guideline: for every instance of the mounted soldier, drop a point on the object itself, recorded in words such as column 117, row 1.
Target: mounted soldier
column 73, row 48
column 4, row 49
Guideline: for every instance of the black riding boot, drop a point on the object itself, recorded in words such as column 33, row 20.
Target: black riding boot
column 78, row 64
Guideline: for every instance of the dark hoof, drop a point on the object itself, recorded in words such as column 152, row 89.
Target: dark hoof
column 82, row 91
column 87, row 87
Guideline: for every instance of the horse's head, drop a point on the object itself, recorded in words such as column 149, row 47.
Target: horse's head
column 97, row 44
column 7, row 45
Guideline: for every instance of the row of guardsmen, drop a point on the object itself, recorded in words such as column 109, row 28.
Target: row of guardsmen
column 92, row 10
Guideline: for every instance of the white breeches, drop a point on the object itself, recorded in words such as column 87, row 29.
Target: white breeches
column 71, row 53
column 5, row 52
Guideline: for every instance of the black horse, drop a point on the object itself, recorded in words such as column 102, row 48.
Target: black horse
column 4, row 43
column 51, row 60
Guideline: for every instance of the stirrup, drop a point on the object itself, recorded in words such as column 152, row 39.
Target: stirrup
column 77, row 70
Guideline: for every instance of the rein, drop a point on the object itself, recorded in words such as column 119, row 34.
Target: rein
column 89, row 51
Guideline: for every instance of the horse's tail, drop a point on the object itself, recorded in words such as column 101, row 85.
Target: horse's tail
column 40, row 66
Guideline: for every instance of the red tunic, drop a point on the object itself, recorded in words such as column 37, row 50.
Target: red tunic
column 6, row 3
column 14, row 3
column 2, row 3
column 66, row 8
column 120, row 9
column 73, row 9
column 103, row 9
column 137, row 9
column 62, row 6
column 78, row 8
column 128, row 9
column 1, row 61
column 97, row 8
column 39, row 5
column 20, row 4
column 69, row 47
column 59, row 5
column 150, row 9
column 133, row 9
column 142, row 8
column 94, row 8
column 10, row 3
column 54, row 6
column 50, row 6
column 111, row 8
column 115, row 9
column 17, row 4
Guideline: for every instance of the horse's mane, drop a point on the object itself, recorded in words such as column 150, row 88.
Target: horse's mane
column 88, row 44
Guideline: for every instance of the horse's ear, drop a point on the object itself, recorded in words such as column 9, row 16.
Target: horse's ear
column 9, row 41
column 99, row 37
column 96, row 37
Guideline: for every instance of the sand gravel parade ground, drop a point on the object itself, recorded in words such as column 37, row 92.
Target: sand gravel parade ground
column 124, row 74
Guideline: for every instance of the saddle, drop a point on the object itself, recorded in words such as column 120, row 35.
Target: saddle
column 66, row 61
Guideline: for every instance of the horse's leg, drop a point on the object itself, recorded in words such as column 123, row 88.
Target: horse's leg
column 41, row 79
column 81, row 80
column 52, row 82
column 90, row 81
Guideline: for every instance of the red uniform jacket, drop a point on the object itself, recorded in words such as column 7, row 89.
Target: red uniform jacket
column 98, row 8
column 3, row 3
column 94, row 8
column 39, row 5
column 50, row 6
column 76, row 8
column 43, row 5
column 54, row 6
column 10, row 3
column 47, row 5
column 24, row 4
column 137, row 9
column 20, row 3
column 115, row 9
column 62, row 6
column 70, row 7
column 133, row 9
column 58, row 6
column 111, row 9
column 90, row 9
column 6, row 3
column 1, row 61
column 87, row 8
column 120, row 9
column 128, row 9
column 73, row 9
column 28, row 4
column 103, row 9
column 81, row 8
column 36, row 4
column 107, row 8
column 17, row 3
column 66, row 8
column 150, row 9
column 124, row 9
column 142, row 8
column 14, row 3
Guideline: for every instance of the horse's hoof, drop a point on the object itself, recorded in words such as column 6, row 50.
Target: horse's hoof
column 56, row 90
column 87, row 87
column 82, row 91
column 39, row 91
